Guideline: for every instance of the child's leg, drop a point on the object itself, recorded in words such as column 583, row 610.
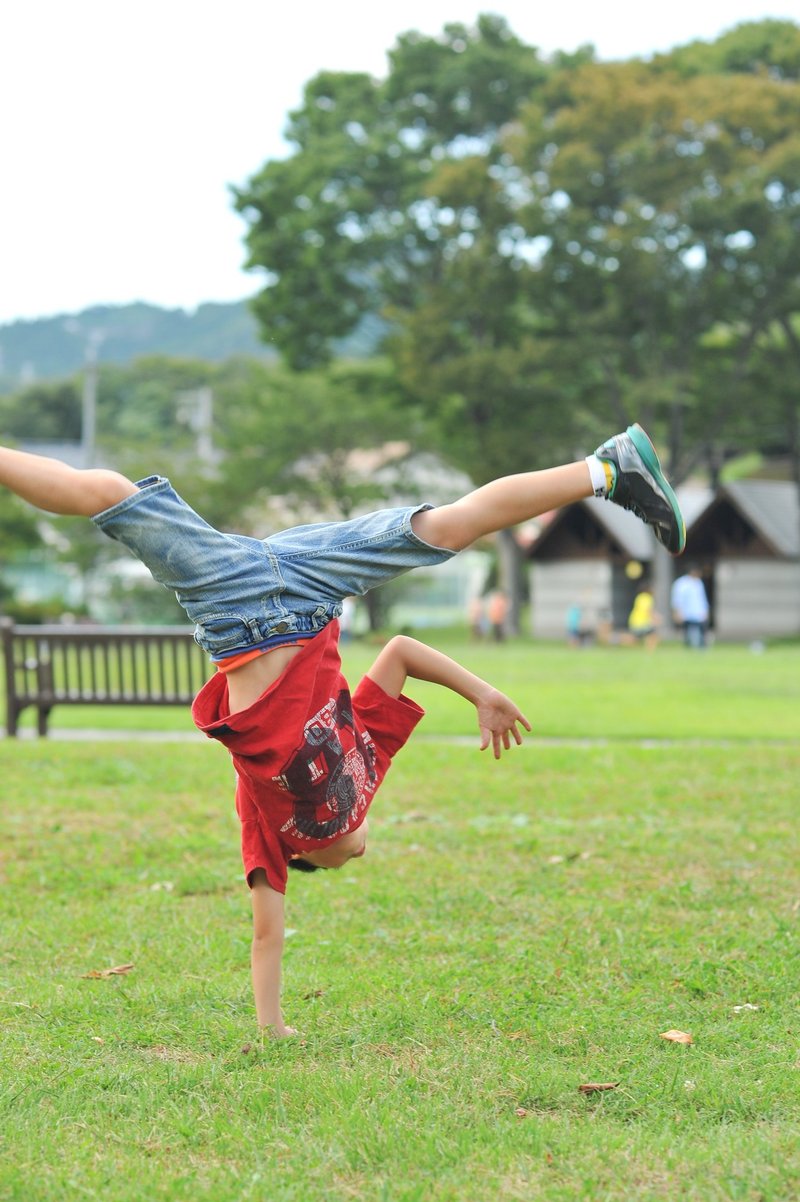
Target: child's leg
column 625, row 470
column 54, row 486
column 503, row 503
column 226, row 583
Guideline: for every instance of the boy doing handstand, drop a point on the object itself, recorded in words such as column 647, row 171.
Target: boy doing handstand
column 309, row 756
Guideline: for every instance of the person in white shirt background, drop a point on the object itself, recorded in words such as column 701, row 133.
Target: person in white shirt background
column 690, row 609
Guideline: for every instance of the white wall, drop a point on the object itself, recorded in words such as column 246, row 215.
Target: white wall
column 557, row 586
column 756, row 598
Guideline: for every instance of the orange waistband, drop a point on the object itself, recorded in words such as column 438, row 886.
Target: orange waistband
column 238, row 661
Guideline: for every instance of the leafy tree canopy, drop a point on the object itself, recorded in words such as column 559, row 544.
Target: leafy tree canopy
column 355, row 219
column 293, row 436
column 659, row 208
column 549, row 241
column 48, row 412
column 19, row 524
column 770, row 48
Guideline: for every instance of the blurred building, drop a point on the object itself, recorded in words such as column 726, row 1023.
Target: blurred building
column 745, row 538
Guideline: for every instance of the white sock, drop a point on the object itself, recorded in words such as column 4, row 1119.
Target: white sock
column 601, row 474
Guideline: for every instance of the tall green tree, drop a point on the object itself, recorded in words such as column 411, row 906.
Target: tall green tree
column 49, row 412
column 291, row 437
column 19, row 524
column 555, row 252
column 767, row 48
column 552, row 243
column 658, row 209
column 20, row 533
column 353, row 222
column 393, row 203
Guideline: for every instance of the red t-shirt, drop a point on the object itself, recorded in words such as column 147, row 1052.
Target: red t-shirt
column 308, row 756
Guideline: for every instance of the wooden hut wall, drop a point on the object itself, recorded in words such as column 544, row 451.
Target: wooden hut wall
column 757, row 598
column 557, row 585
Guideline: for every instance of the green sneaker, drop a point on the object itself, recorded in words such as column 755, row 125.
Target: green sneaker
column 640, row 485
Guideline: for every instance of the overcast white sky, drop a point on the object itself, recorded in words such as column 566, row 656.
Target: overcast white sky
column 124, row 123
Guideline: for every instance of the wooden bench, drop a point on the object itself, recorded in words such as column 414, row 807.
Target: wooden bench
column 98, row 665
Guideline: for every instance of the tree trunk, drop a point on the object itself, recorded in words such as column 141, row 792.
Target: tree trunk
column 377, row 609
column 662, row 574
column 510, row 564
column 793, row 414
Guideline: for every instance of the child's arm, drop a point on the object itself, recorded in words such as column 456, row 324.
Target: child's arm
column 497, row 714
column 267, row 951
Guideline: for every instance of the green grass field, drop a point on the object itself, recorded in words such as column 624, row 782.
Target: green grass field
column 515, row 931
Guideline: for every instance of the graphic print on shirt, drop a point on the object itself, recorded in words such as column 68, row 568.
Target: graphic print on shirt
column 331, row 775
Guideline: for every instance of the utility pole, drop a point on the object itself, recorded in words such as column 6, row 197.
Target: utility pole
column 196, row 410
column 204, row 425
column 89, row 398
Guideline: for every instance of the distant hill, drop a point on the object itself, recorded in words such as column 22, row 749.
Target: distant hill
column 55, row 347
column 49, row 347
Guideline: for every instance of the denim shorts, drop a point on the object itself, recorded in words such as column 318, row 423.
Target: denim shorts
column 241, row 591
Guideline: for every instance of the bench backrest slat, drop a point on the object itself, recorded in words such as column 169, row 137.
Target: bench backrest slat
column 91, row 665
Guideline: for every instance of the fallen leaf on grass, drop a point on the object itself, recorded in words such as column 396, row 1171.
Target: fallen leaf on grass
column 521, row 1112
column 597, row 1086
column 119, row 971
column 746, row 1006
column 314, row 993
column 677, row 1036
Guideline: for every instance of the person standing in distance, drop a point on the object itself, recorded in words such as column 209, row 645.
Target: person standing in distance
column 690, row 608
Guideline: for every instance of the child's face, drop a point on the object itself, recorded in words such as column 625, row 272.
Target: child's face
column 349, row 847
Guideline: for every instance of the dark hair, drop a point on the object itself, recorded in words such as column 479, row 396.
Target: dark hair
column 304, row 866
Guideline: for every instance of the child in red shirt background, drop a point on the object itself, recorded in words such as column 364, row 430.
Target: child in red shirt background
column 309, row 755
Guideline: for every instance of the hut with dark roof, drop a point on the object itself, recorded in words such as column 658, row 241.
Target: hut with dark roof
column 745, row 538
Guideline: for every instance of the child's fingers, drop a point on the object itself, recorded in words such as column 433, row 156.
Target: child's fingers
column 501, row 736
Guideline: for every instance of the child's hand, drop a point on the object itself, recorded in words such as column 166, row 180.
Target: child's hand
column 497, row 718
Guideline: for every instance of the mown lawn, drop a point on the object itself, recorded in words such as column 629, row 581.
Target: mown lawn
column 609, row 693
column 516, row 930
